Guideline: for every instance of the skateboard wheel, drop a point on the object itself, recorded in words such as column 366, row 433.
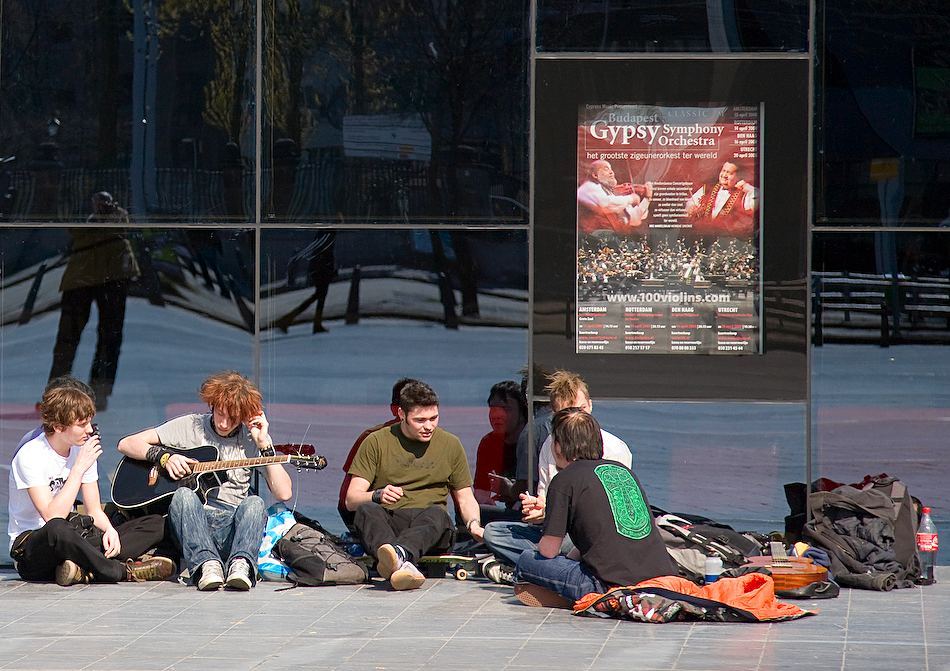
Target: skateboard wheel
column 461, row 573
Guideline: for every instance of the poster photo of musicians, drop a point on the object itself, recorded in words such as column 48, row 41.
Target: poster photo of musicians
column 668, row 229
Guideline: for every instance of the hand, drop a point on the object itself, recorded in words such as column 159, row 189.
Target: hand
column 391, row 493
column 532, row 508
column 110, row 543
column 502, row 486
column 624, row 189
column 89, row 453
column 178, row 466
column 744, row 185
column 649, row 191
column 258, row 425
column 477, row 531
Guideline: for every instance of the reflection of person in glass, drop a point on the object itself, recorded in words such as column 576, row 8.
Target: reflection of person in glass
column 604, row 205
column 100, row 267
column 724, row 208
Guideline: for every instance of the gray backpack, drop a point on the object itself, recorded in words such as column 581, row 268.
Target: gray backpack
column 315, row 558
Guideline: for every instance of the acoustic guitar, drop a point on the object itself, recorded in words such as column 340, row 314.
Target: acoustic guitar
column 137, row 483
column 789, row 573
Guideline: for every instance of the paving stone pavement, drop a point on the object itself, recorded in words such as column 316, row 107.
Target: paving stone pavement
column 446, row 624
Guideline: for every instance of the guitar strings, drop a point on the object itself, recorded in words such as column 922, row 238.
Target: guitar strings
column 298, row 474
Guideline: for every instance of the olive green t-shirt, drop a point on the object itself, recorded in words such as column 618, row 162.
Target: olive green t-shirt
column 427, row 472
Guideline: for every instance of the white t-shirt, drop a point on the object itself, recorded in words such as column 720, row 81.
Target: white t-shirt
column 614, row 450
column 37, row 464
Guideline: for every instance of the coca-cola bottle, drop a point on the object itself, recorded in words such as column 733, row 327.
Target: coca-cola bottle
column 927, row 547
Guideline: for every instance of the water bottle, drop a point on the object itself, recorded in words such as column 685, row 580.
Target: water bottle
column 352, row 545
column 712, row 569
column 927, row 548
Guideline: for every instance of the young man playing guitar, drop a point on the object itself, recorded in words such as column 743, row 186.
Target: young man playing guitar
column 226, row 530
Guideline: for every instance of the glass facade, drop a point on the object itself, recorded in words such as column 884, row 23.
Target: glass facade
column 328, row 196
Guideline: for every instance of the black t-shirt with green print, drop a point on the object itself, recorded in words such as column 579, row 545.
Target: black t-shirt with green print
column 606, row 512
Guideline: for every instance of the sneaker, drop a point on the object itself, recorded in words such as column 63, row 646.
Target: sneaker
column 239, row 575
column 212, row 576
column 70, row 573
column 153, row 568
column 388, row 560
column 539, row 597
column 406, row 576
column 499, row 572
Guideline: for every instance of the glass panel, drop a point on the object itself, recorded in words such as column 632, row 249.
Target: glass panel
column 408, row 115
column 883, row 128
column 727, row 461
column 647, row 26
column 881, row 391
column 149, row 100
column 171, row 306
column 382, row 299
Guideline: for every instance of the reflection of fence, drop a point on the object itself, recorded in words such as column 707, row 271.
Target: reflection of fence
column 328, row 185
column 856, row 307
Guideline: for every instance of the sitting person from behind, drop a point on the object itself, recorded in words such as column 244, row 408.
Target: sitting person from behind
column 601, row 504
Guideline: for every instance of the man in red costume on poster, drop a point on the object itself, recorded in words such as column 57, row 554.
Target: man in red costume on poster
column 604, row 205
column 724, row 208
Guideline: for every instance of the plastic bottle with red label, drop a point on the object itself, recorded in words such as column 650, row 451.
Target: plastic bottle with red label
column 927, row 547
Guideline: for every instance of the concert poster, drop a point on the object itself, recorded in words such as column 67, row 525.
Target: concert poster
column 668, row 229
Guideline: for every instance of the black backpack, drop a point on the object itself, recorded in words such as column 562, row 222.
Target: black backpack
column 316, row 558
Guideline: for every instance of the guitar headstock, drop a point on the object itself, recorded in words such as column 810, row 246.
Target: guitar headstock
column 301, row 455
column 314, row 462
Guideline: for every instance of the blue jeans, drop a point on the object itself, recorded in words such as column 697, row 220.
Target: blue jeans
column 565, row 576
column 206, row 533
column 507, row 540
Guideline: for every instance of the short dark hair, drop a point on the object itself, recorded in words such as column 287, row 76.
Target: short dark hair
column 417, row 394
column 577, row 435
column 509, row 389
column 397, row 388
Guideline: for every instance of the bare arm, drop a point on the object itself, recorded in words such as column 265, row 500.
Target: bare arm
column 49, row 506
column 277, row 478
column 550, row 546
column 137, row 446
column 111, row 544
column 359, row 493
column 471, row 515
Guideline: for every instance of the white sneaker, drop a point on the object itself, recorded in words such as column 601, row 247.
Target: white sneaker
column 239, row 575
column 212, row 576
column 388, row 560
column 407, row 577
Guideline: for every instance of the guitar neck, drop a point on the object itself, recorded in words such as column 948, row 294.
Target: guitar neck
column 226, row 465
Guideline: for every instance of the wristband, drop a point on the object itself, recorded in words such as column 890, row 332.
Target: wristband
column 468, row 527
column 378, row 496
column 154, row 453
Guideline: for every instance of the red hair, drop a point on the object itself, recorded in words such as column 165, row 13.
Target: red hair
column 231, row 392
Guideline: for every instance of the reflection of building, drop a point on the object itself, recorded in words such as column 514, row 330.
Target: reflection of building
column 232, row 180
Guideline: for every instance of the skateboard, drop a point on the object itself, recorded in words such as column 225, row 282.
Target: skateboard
column 460, row 567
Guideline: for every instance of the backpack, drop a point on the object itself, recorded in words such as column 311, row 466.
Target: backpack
column 689, row 544
column 315, row 558
column 868, row 529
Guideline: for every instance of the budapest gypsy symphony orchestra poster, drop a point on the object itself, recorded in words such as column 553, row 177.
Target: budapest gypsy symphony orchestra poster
column 668, row 229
